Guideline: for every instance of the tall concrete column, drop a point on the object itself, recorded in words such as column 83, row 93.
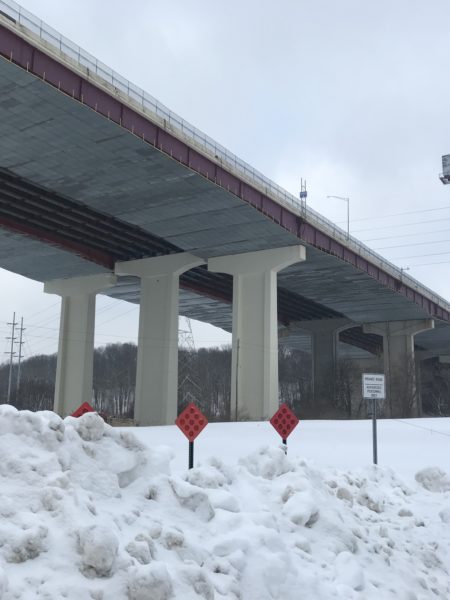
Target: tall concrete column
column 254, row 371
column 156, row 396
column 420, row 358
column 399, row 364
column 74, row 367
column 324, row 336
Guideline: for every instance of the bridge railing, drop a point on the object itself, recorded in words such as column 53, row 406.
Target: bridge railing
column 151, row 105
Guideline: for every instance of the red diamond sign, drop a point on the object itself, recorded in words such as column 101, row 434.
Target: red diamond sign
column 284, row 421
column 81, row 410
column 191, row 421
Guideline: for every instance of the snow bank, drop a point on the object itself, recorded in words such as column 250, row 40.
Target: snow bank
column 90, row 513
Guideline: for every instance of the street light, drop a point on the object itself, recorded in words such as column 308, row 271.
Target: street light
column 402, row 270
column 348, row 211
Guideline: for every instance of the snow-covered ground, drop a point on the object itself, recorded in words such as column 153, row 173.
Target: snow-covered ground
column 88, row 512
column 405, row 445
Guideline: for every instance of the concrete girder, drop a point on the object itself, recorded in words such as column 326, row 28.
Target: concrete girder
column 254, row 370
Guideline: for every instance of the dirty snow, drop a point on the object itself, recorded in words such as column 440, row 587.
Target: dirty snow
column 88, row 512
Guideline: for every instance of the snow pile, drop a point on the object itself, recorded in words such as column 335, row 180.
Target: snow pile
column 90, row 513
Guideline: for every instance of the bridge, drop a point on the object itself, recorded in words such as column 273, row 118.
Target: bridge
column 105, row 190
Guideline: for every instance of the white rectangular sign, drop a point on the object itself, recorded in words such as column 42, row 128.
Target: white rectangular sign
column 373, row 386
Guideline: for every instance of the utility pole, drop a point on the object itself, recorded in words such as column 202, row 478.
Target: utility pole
column 11, row 355
column 22, row 329
column 348, row 211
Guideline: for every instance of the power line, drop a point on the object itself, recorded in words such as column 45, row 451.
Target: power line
column 56, row 316
column 413, row 244
column 402, row 225
column 403, row 235
column 99, row 312
column 97, row 334
column 419, row 255
column 44, row 309
column 422, row 427
column 47, row 319
column 44, row 327
column 56, row 337
column 103, row 309
column 121, row 315
column 401, row 214
column 444, row 262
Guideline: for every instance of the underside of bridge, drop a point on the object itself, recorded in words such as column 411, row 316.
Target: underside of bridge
column 87, row 181
column 78, row 193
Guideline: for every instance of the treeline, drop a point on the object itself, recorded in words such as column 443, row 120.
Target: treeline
column 205, row 378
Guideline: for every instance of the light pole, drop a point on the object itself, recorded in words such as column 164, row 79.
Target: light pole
column 348, row 211
column 402, row 270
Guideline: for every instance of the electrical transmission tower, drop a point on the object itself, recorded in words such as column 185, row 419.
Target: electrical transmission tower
column 12, row 353
column 21, row 343
column 188, row 388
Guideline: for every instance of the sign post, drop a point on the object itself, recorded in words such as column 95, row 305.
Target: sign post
column 191, row 422
column 284, row 422
column 373, row 385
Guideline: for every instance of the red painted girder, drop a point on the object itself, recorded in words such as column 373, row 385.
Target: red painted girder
column 96, row 256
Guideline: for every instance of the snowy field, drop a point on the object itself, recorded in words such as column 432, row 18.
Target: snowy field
column 88, row 512
column 405, row 445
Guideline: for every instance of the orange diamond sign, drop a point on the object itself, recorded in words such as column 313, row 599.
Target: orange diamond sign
column 284, row 421
column 81, row 410
column 191, row 421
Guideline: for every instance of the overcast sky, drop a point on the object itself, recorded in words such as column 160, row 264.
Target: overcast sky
column 350, row 94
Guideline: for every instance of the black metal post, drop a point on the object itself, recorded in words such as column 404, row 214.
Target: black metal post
column 285, row 445
column 191, row 455
column 374, row 431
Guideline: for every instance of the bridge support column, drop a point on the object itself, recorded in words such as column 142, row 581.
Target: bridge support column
column 75, row 361
column 156, row 396
column 420, row 358
column 325, row 337
column 254, row 371
column 399, row 364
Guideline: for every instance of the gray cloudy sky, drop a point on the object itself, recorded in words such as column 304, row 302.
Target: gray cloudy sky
column 350, row 94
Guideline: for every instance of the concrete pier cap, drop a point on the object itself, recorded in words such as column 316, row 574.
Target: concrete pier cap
column 169, row 264
column 275, row 260
column 78, row 286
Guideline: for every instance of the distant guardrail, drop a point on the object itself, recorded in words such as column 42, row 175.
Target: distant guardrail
column 16, row 13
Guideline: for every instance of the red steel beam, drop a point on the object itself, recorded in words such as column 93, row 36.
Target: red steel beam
column 42, row 235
